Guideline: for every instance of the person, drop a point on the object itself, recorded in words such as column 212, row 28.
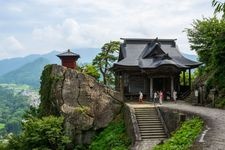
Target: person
column 197, row 95
column 160, row 97
column 140, row 97
column 155, row 96
column 175, row 96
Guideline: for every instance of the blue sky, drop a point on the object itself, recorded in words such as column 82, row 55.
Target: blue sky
column 40, row 26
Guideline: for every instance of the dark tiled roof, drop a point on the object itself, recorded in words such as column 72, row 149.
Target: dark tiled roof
column 68, row 53
column 152, row 53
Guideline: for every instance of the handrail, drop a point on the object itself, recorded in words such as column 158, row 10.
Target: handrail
column 185, row 94
column 163, row 122
column 135, row 125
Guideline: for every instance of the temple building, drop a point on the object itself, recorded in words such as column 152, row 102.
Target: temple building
column 68, row 59
column 150, row 65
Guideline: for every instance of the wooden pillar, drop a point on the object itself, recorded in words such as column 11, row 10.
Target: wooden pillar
column 178, row 83
column 151, row 88
column 189, row 75
column 172, row 86
column 122, row 85
column 184, row 81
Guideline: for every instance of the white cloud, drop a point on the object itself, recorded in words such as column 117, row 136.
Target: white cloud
column 46, row 25
column 11, row 46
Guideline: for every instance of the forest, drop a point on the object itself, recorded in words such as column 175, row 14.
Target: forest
column 12, row 107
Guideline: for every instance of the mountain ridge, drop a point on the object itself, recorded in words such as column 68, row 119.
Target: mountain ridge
column 29, row 70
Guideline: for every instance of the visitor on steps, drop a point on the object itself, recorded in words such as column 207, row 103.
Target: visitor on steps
column 175, row 96
column 155, row 96
column 140, row 97
column 160, row 97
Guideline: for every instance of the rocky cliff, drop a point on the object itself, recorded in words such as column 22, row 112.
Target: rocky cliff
column 86, row 104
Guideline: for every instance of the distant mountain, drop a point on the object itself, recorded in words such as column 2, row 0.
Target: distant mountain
column 8, row 65
column 11, row 64
column 27, row 74
column 191, row 57
column 27, row 70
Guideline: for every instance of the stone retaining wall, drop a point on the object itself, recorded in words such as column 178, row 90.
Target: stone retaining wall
column 173, row 118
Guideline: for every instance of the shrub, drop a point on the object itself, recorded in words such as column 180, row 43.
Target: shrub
column 113, row 137
column 184, row 137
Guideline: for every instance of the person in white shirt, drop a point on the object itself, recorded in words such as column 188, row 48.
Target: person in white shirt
column 140, row 97
column 175, row 96
column 155, row 96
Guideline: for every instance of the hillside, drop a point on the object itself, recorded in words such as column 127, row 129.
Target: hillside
column 8, row 65
column 27, row 74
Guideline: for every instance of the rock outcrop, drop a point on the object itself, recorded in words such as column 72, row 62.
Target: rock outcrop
column 86, row 104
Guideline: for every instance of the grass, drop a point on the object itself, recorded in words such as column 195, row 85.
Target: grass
column 184, row 137
column 2, row 126
column 112, row 138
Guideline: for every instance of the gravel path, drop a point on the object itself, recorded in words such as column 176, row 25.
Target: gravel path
column 214, row 138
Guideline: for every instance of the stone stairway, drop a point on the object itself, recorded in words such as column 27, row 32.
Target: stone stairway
column 150, row 125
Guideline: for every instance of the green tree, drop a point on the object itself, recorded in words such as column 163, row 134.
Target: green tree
column 90, row 70
column 43, row 133
column 105, row 59
column 207, row 38
column 219, row 7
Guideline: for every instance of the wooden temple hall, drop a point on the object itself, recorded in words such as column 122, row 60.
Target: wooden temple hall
column 150, row 65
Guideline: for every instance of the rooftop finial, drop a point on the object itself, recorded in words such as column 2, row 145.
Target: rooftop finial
column 68, row 50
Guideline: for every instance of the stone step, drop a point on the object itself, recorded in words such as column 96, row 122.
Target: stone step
column 143, row 111
column 150, row 125
column 149, row 121
column 147, row 131
column 147, row 118
column 153, row 133
column 153, row 137
column 146, row 114
column 149, row 115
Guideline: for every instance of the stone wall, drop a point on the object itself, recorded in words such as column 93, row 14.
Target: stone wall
column 131, row 124
column 173, row 118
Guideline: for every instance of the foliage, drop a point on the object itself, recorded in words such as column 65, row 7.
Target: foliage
column 47, row 81
column 193, row 76
column 219, row 7
column 207, row 38
column 12, row 108
column 184, row 137
column 105, row 59
column 90, row 70
column 113, row 137
column 44, row 133
column 220, row 103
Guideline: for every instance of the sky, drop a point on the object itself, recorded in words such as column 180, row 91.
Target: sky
column 40, row 26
